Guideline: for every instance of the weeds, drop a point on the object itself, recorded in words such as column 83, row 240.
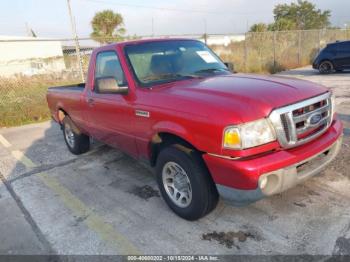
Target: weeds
column 23, row 98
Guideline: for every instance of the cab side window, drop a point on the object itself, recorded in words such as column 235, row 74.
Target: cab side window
column 344, row 47
column 331, row 48
column 108, row 66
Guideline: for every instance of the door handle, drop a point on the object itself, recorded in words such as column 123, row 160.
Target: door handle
column 90, row 101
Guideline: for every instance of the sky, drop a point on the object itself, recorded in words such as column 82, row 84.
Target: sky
column 49, row 18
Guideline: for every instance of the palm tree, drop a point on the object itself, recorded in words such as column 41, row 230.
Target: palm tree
column 107, row 27
column 260, row 27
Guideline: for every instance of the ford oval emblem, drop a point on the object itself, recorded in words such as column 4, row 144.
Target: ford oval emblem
column 315, row 119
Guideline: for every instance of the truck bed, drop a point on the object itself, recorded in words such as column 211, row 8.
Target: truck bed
column 67, row 97
column 77, row 87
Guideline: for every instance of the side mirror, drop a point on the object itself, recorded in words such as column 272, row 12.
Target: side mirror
column 230, row 66
column 109, row 85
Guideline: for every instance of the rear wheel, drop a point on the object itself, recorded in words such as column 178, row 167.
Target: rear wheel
column 76, row 142
column 326, row 67
column 185, row 183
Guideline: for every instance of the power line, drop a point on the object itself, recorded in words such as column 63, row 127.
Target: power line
column 167, row 8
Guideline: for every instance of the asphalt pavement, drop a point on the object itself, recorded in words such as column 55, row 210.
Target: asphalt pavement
column 104, row 202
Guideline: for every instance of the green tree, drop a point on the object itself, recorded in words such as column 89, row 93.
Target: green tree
column 107, row 27
column 302, row 15
column 260, row 27
column 282, row 24
column 132, row 37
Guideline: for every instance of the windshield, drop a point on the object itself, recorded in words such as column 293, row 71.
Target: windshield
column 167, row 61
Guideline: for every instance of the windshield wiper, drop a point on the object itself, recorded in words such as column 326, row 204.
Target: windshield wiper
column 168, row 76
column 211, row 70
column 183, row 76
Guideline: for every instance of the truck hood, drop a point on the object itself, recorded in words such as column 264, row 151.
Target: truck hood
column 248, row 97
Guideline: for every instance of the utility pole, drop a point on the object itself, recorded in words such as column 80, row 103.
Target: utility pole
column 28, row 30
column 75, row 36
column 299, row 48
column 205, row 31
column 347, row 29
column 152, row 27
column 274, row 52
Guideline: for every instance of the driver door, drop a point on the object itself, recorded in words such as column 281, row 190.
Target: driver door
column 111, row 115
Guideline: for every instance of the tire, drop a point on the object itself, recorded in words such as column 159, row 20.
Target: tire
column 326, row 67
column 183, row 170
column 76, row 142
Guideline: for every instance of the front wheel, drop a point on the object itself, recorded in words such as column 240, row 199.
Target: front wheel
column 326, row 67
column 77, row 142
column 185, row 183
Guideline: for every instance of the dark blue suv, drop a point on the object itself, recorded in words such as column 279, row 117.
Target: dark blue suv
column 334, row 57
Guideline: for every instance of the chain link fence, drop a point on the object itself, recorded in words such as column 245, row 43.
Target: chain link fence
column 28, row 66
column 270, row 52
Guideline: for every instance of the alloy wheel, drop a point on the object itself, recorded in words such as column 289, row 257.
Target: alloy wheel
column 68, row 132
column 177, row 184
column 326, row 67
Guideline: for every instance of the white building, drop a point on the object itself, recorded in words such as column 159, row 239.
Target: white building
column 29, row 56
column 219, row 40
column 224, row 40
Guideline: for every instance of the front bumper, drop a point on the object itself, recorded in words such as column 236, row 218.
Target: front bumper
column 241, row 182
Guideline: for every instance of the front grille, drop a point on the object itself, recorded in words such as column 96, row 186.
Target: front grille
column 301, row 122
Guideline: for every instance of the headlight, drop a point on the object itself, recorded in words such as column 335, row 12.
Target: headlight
column 333, row 103
column 248, row 135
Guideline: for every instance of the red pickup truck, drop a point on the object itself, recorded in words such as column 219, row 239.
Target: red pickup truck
column 207, row 131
